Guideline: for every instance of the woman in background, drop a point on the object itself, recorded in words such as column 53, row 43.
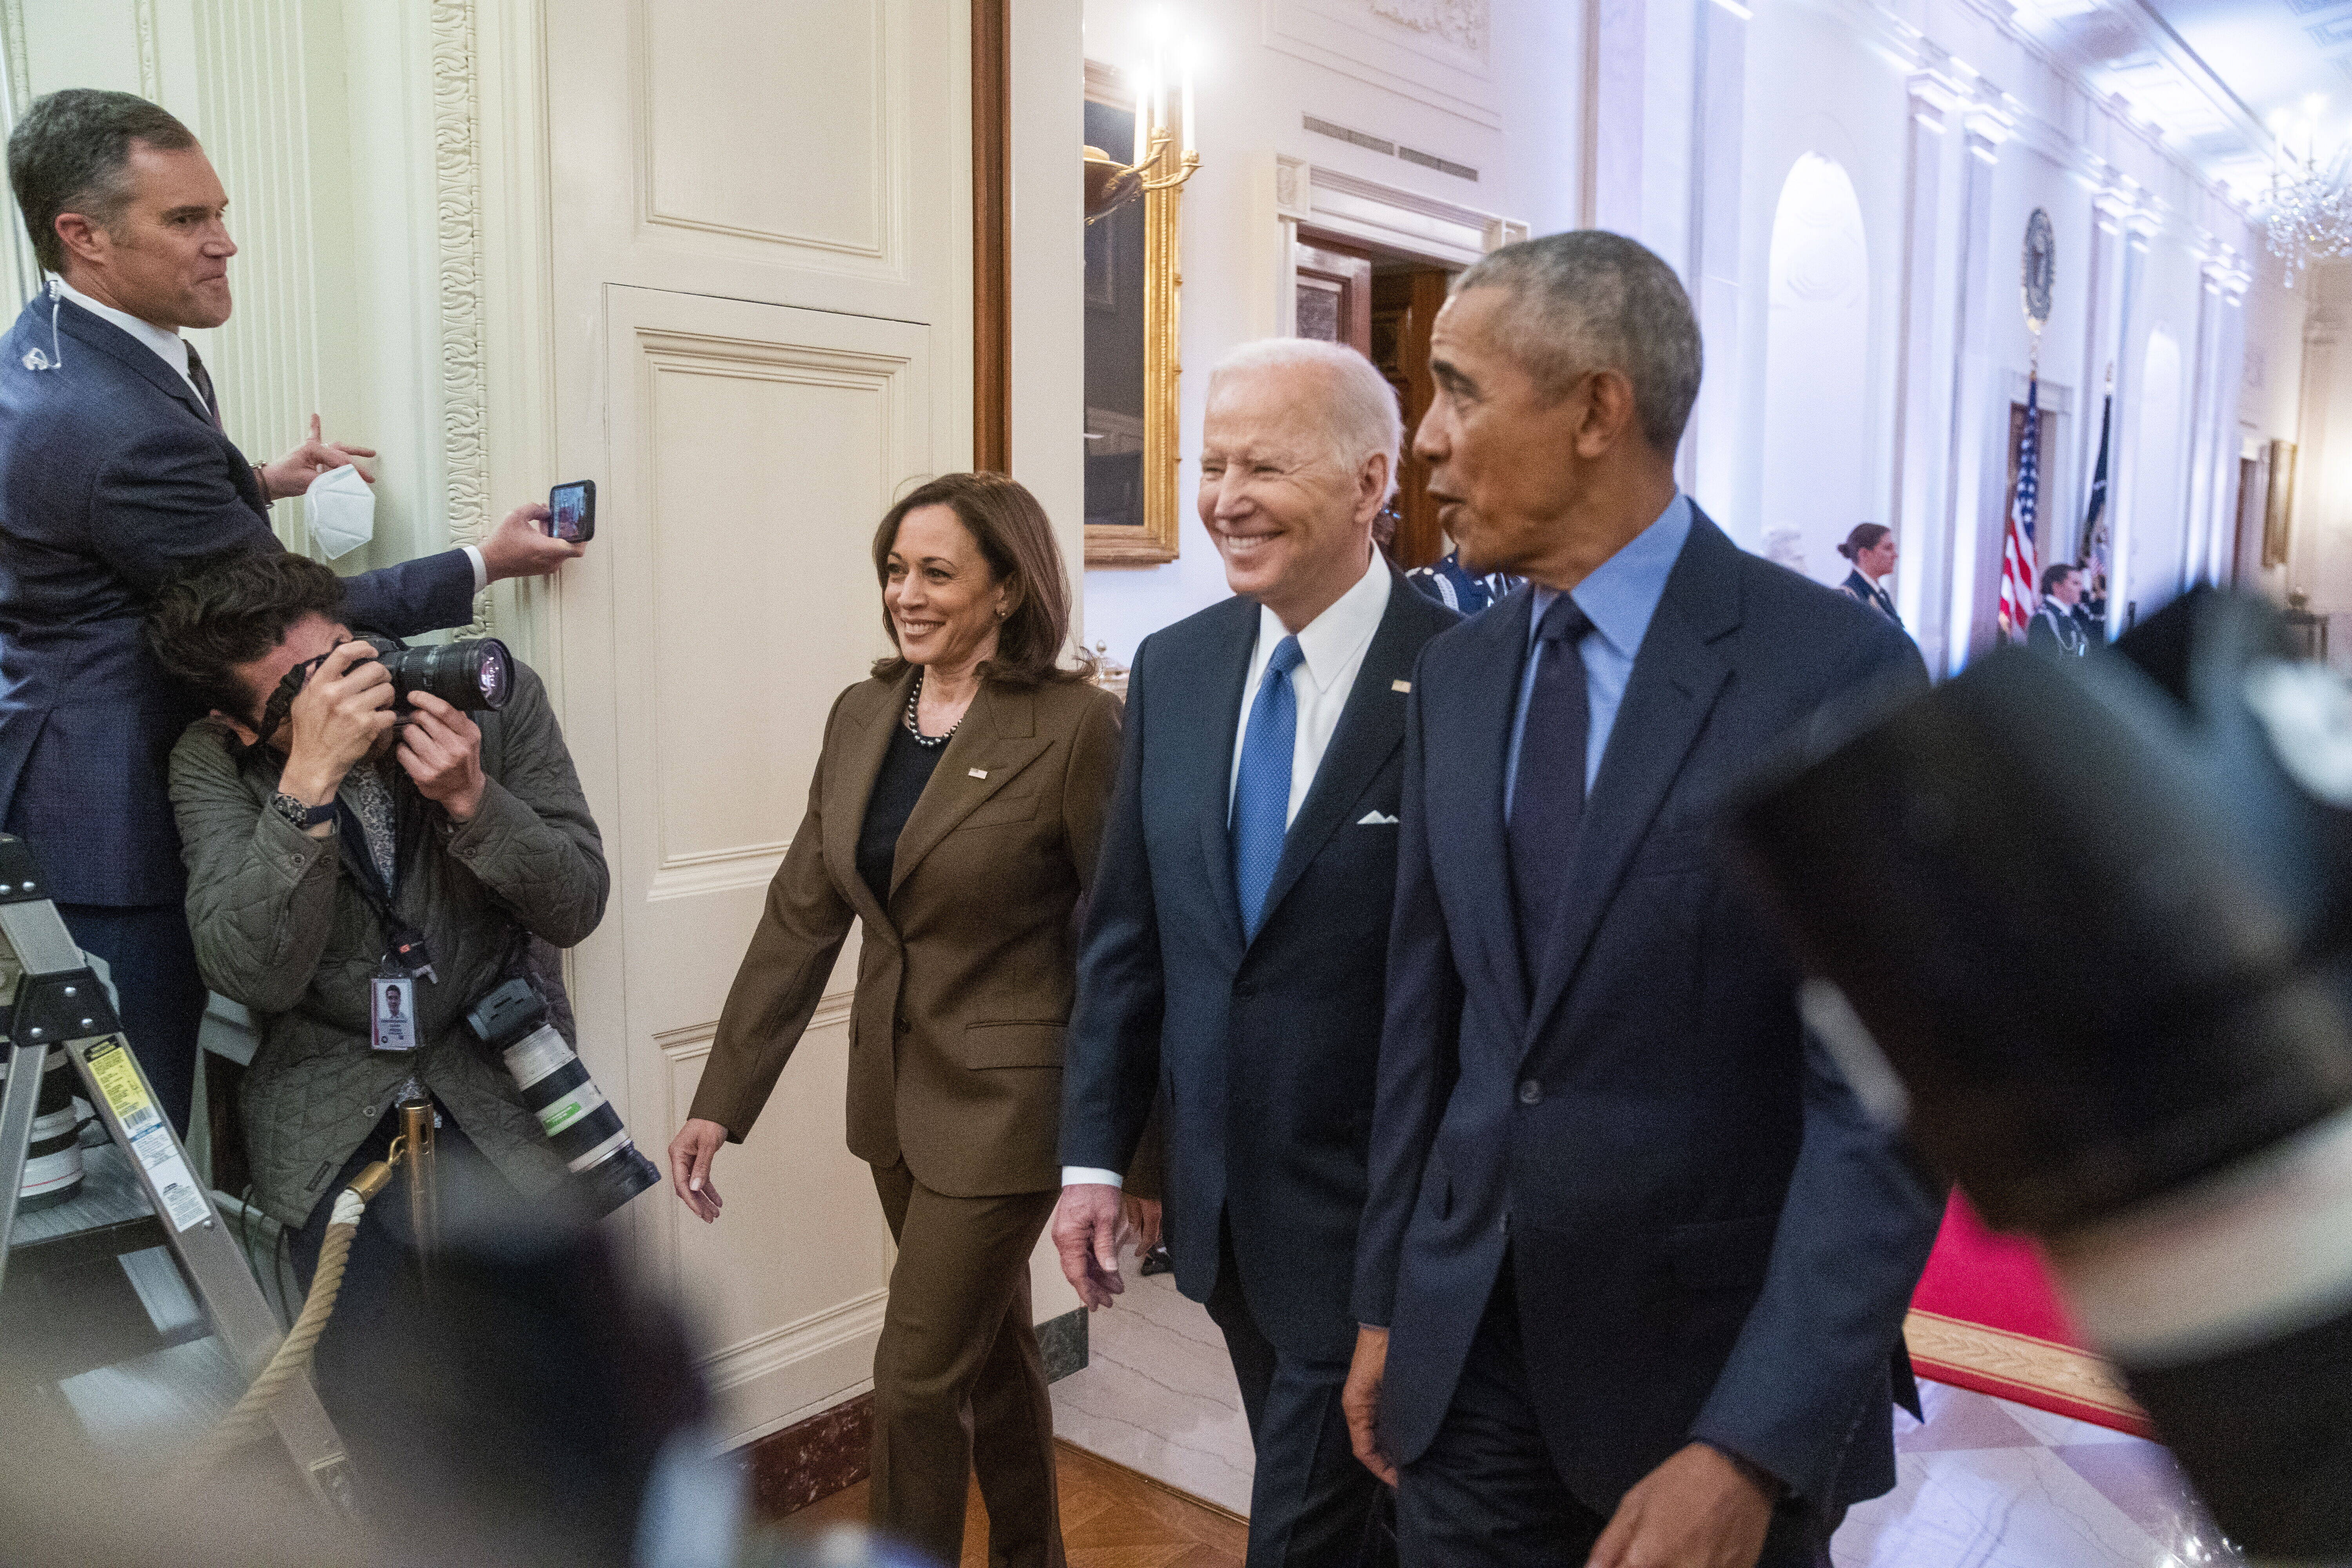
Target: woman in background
column 956, row 811
column 1871, row 548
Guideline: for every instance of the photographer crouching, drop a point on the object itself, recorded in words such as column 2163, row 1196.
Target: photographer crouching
column 366, row 867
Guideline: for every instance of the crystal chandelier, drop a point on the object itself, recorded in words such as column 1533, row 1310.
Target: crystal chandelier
column 2310, row 217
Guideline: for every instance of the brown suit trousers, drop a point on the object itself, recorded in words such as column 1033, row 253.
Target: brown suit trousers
column 965, row 978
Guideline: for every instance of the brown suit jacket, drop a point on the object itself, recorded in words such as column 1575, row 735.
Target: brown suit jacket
column 965, row 980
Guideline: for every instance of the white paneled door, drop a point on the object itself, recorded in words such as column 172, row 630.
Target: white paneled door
column 762, row 319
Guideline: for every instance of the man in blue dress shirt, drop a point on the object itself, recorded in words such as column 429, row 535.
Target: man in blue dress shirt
column 115, row 475
column 1633, row 1263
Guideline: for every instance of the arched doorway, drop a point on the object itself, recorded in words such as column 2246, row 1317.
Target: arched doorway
column 1816, row 458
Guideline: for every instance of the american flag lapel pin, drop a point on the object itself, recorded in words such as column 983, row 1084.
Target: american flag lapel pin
column 978, row 772
column 1400, row 686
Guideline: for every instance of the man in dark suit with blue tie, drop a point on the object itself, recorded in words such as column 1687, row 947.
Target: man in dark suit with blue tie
column 115, row 475
column 1634, row 1264
column 1237, row 934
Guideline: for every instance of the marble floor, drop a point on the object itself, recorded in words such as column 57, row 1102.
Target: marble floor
column 1982, row 1482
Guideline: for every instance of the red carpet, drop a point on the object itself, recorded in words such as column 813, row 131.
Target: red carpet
column 1985, row 1318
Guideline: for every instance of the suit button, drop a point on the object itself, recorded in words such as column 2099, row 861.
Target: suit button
column 1531, row 1093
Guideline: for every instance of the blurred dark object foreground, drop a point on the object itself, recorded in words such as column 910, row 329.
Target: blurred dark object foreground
column 2096, row 914
column 533, row 1409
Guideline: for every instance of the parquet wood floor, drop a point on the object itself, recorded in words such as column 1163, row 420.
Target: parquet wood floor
column 1111, row 1518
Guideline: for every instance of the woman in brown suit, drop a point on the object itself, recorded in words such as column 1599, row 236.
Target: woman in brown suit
column 956, row 811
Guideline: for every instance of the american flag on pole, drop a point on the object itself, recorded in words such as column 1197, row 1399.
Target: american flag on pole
column 2017, row 552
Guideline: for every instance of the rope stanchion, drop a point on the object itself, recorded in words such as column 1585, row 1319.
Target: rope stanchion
column 292, row 1358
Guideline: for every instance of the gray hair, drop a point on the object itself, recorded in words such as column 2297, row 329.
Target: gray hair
column 1592, row 301
column 1358, row 408
column 71, row 152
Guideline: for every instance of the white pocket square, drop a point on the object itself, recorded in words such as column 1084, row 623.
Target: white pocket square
column 1376, row 819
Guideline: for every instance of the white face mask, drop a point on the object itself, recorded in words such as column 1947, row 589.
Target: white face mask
column 340, row 510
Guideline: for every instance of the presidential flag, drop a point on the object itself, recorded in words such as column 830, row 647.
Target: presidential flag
column 2093, row 556
column 2017, row 552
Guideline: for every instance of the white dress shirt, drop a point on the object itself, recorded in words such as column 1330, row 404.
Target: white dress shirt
column 1332, row 646
column 173, row 350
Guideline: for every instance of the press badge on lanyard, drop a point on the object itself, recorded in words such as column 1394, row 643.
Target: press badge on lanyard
column 392, row 1012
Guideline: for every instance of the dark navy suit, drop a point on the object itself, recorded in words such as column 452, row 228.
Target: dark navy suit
column 1628, row 1144
column 113, row 477
column 1264, row 1048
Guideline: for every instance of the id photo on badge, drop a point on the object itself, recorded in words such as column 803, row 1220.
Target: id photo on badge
column 395, row 1014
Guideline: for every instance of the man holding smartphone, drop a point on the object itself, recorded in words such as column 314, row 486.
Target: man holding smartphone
column 115, row 475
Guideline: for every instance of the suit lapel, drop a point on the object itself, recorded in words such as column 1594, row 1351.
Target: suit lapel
column 1212, row 717
column 1371, row 729
column 996, row 739
column 856, row 763
column 1677, row 677
column 107, row 338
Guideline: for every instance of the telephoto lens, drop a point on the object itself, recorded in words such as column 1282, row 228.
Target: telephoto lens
column 2087, row 919
column 607, row 1171
column 53, row 1167
column 470, row 676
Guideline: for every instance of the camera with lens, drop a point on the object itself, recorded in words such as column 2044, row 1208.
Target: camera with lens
column 470, row 676
column 607, row 1171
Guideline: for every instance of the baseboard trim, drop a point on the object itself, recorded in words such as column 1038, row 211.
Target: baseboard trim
column 1154, row 1482
column 809, row 1460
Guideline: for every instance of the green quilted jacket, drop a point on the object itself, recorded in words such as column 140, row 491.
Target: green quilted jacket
column 281, row 927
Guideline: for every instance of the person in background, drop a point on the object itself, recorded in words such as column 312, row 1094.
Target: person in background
column 955, row 812
column 2059, row 624
column 1634, row 1268
column 1871, row 548
column 1237, row 937
column 1463, row 591
column 115, row 475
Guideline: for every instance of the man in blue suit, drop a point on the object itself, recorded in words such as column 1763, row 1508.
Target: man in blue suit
column 114, row 475
column 1237, row 933
column 1634, row 1264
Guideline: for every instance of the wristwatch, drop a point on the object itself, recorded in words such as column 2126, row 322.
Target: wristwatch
column 304, row 817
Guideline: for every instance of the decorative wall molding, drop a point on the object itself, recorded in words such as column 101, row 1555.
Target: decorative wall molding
column 1389, row 216
column 151, row 68
column 1432, row 51
column 1461, row 23
column 457, row 201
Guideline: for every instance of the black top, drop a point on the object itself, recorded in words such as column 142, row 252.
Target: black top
column 906, row 769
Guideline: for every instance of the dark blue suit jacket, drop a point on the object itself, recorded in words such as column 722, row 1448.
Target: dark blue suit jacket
column 113, row 477
column 1266, row 1050
column 1709, row 1238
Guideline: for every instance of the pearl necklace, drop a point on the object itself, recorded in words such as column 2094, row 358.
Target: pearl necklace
column 916, row 730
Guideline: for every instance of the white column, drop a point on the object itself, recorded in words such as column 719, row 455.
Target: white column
column 1710, row 454
column 2222, row 478
column 1924, row 348
column 1616, row 60
column 2312, row 513
column 1968, row 513
column 2200, row 524
column 2101, row 320
column 2140, row 227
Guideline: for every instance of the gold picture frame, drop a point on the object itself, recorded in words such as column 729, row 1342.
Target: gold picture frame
column 2278, row 505
column 1147, row 534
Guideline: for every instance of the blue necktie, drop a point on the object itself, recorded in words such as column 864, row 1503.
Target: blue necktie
column 1547, row 796
column 1262, row 791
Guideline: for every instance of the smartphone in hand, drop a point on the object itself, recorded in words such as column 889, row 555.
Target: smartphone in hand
column 574, row 509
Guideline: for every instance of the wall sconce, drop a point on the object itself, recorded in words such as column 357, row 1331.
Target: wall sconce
column 1164, row 157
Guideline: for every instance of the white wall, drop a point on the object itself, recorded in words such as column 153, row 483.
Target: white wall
column 1264, row 64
